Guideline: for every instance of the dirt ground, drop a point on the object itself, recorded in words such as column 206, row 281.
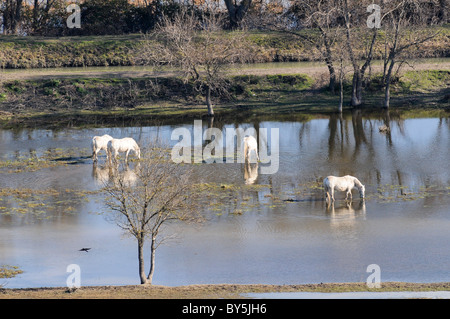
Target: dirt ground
column 314, row 70
column 226, row 291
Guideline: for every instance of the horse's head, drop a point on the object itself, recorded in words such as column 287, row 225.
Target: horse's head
column 362, row 191
column 138, row 152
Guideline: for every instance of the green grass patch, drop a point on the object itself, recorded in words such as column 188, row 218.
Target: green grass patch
column 424, row 81
column 122, row 50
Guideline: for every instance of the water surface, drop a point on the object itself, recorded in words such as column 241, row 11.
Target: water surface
column 278, row 230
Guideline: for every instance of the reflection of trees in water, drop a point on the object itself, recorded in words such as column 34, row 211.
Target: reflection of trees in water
column 358, row 152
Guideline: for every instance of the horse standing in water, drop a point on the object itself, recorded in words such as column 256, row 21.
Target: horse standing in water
column 100, row 143
column 344, row 183
column 126, row 144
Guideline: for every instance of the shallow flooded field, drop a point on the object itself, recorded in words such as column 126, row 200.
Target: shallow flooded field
column 260, row 228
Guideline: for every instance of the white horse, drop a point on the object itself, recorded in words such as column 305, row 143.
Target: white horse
column 100, row 143
column 126, row 144
column 344, row 183
column 250, row 144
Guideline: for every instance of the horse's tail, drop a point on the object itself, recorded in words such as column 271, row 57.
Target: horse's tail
column 326, row 185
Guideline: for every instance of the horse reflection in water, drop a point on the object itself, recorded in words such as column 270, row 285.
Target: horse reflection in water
column 249, row 146
column 345, row 215
column 250, row 173
column 103, row 175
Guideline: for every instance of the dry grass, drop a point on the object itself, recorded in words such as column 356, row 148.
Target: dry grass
column 227, row 291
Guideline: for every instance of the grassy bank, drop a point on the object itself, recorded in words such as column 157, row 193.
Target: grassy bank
column 103, row 101
column 205, row 291
column 270, row 46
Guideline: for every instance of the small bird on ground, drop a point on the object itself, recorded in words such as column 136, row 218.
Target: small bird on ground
column 84, row 249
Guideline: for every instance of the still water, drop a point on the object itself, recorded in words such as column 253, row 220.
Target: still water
column 275, row 229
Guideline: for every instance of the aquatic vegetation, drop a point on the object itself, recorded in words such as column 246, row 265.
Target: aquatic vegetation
column 8, row 271
column 237, row 199
column 41, row 203
column 395, row 193
column 50, row 158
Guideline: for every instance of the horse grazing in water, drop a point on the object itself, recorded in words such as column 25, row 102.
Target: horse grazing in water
column 126, row 144
column 344, row 183
column 250, row 144
column 100, row 143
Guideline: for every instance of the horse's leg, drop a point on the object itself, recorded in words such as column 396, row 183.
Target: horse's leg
column 126, row 155
column 349, row 193
column 245, row 152
column 327, row 194
column 332, row 193
column 115, row 156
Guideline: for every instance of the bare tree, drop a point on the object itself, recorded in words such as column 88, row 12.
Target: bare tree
column 401, row 35
column 351, row 42
column 320, row 15
column 237, row 11
column 342, row 70
column 161, row 193
column 199, row 48
column 12, row 15
column 41, row 13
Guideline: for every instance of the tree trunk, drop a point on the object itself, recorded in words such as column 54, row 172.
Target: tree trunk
column 387, row 95
column 208, row 101
column 329, row 61
column 341, row 94
column 16, row 16
column 332, row 72
column 12, row 15
column 141, row 260
column 358, row 73
column 237, row 12
column 35, row 15
column 388, row 84
column 356, row 99
column 443, row 16
column 152, row 261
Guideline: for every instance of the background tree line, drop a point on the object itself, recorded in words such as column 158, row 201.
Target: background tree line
column 100, row 17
